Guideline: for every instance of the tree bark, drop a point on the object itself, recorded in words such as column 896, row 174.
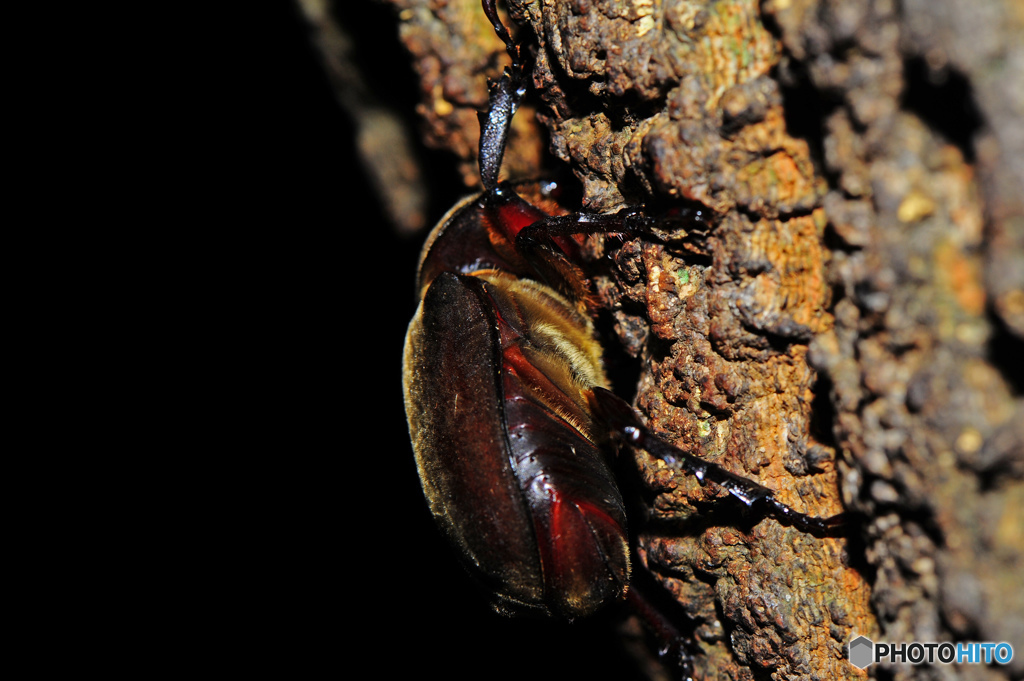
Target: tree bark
column 846, row 331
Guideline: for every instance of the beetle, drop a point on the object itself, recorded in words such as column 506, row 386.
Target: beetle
column 511, row 415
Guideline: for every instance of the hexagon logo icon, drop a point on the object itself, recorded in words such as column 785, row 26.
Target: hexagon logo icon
column 862, row 651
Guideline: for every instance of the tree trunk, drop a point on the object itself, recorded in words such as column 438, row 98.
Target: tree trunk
column 846, row 330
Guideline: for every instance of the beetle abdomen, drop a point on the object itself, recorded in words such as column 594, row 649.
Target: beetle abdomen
column 577, row 512
column 508, row 464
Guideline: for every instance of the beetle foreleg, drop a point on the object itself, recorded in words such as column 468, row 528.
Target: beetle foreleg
column 499, row 28
column 625, row 425
column 631, row 221
column 503, row 100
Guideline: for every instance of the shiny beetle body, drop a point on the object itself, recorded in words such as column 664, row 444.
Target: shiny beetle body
column 507, row 401
column 498, row 375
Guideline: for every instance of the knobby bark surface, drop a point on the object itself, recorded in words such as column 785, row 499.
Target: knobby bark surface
column 847, row 326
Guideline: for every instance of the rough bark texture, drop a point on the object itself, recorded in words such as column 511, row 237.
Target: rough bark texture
column 847, row 330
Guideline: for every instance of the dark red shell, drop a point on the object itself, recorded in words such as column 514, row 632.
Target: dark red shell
column 498, row 371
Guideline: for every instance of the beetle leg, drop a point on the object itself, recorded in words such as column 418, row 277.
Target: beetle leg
column 510, row 45
column 631, row 221
column 504, row 96
column 674, row 647
column 624, row 424
column 546, row 246
column 503, row 100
